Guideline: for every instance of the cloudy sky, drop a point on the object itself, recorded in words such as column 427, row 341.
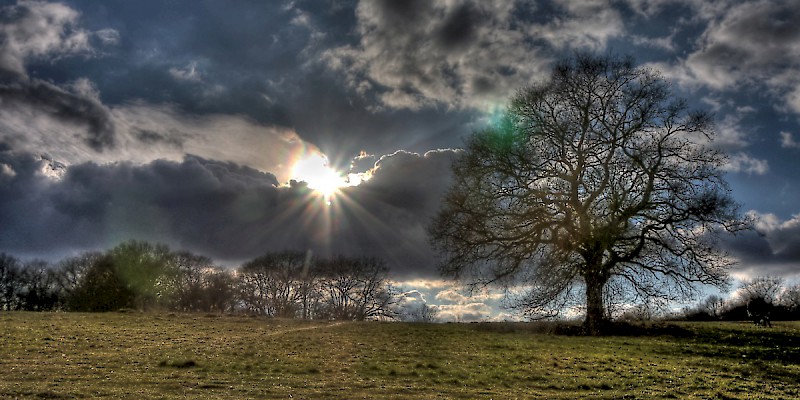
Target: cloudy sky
column 182, row 122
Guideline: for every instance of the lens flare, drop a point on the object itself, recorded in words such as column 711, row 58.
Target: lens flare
column 314, row 171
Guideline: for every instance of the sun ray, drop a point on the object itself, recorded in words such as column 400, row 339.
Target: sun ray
column 324, row 180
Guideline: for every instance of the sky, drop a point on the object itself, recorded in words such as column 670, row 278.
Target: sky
column 184, row 122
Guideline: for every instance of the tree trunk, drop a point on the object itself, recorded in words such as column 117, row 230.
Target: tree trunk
column 595, row 309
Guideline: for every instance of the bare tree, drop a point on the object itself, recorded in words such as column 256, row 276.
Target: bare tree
column 766, row 288
column 273, row 284
column 714, row 306
column 422, row 313
column 70, row 272
column 10, row 275
column 597, row 174
column 199, row 285
column 39, row 288
column 790, row 298
column 357, row 289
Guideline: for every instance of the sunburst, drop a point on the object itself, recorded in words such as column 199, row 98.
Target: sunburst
column 320, row 177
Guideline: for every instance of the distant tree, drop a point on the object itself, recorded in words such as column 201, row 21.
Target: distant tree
column 38, row 287
column 273, row 284
column 147, row 271
column 597, row 175
column 219, row 290
column 357, row 289
column 188, row 288
column 766, row 288
column 422, row 313
column 715, row 306
column 133, row 274
column 10, row 282
column 69, row 274
column 101, row 288
column 790, row 299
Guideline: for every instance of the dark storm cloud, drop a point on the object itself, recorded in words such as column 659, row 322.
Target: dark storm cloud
column 460, row 27
column 174, row 139
column 62, row 105
column 773, row 248
column 221, row 209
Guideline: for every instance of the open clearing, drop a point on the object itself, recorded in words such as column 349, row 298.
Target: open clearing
column 74, row 355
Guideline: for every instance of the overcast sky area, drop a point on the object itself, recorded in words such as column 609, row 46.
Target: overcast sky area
column 182, row 122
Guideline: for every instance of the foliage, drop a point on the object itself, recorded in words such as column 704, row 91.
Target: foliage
column 598, row 177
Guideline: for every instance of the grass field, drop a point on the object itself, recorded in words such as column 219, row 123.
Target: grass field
column 73, row 355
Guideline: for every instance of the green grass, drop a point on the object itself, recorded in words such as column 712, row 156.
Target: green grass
column 73, row 355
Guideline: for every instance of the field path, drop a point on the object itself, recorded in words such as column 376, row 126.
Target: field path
column 305, row 328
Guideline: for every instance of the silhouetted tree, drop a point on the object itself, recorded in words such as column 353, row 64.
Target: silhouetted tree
column 69, row 274
column 219, row 290
column 357, row 289
column 189, row 283
column 273, row 284
column 599, row 174
column 10, row 284
column 760, row 297
column 790, row 299
column 767, row 288
column 422, row 313
column 714, row 306
column 38, row 287
column 101, row 288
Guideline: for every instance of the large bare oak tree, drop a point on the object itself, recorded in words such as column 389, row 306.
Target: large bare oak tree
column 596, row 178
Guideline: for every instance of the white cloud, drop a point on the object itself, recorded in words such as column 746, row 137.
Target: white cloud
column 466, row 312
column 188, row 73
column 108, row 36
column 41, row 30
column 787, row 141
column 743, row 162
column 729, row 134
column 6, row 171
column 452, row 296
column 745, row 43
column 460, row 54
column 587, row 24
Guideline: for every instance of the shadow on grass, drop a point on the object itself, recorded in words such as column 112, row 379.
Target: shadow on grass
column 741, row 343
column 561, row 328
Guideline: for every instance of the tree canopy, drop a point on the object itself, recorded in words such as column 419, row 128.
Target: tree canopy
column 598, row 178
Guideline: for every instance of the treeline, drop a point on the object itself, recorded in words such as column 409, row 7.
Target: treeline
column 143, row 276
column 759, row 296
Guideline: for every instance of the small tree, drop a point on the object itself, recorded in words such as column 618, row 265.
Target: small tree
column 598, row 174
column 422, row 313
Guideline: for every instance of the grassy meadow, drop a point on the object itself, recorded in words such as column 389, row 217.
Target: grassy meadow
column 135, row 355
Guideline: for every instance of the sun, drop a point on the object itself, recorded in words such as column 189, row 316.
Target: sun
column 314, row 170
